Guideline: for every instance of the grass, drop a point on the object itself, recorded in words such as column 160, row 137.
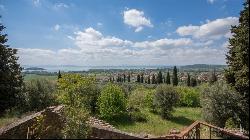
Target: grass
column 182, row 117
column 7, row 120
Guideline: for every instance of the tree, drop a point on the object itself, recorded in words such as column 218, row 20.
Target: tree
column 159, row 78
column 153, row 79
column 237, row 74
column 166, row 97
column 213, row 77
column 142, row 78
column 111, row 102
column 128, row 77
column 124, row 77
column 11, row 80
column 175, row 77
column 193, row 82
column 188, row 79
column 168, row 78
column 149, row 79
column 59, row 75
column 138, row 78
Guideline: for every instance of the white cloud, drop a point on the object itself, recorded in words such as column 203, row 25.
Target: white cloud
column 211, row 30
column 58, row 6
column 135, row 18
column 94, row 48
column 164, row 43
column 90, row 38
column 56, row 27
column 2, row 7
column 99, row 24
column 36, row 3
column 211, row 1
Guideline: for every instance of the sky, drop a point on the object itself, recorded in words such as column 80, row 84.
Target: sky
column 119, row 32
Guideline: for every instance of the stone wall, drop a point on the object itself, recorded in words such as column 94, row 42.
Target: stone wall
column 53, row 123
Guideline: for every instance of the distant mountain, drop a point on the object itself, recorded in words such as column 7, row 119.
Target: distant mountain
column 34, row 68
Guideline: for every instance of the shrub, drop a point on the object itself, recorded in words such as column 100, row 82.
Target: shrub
column 231, row 123
column 166, row 97
column 75, row 124
column 39, row 94
column 79, row 91
column 189, row 96
column 138, row 116
column 219, row 103
column 137, row 98
column 111, row 102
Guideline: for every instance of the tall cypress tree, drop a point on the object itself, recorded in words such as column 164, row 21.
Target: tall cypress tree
column 149, row 79
column 175, row 77
column 153, row 79
column 193, row 82
column 128, row 77
column 168, row 78
column 124, row 77
column 142, row 78
column 188, row 79
column 237, row 57
column 138, row 78
column 11, row 79
column 60, row 75
column 213, row 77
column 159, row 78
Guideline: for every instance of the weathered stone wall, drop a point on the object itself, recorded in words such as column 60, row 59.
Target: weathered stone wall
column 54, row 122
column 19, row 129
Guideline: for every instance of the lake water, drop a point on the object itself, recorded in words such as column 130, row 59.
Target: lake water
column 86, row 68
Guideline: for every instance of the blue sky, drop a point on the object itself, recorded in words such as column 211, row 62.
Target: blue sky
column 119, row 32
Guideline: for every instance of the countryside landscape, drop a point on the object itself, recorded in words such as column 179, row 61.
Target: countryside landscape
column 124, row 69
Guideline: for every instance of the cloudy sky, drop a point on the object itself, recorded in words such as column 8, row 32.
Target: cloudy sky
column 119, row 32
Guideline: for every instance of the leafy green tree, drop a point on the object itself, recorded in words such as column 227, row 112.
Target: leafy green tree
column 175, row 77
column 188, row 79
column 166, row 97
column 168, row 79
column 159, row 78
column 111, row 102
column 124, row 77
column 11, row 80
column 237, row 74
column 40, row 94
column 78, row 91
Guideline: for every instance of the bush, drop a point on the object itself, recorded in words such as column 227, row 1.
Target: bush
column 79, row 91
column 189, row 96
column 111, row 102
column 138, row 116
column 75, row 124
column 39, row 94
column 231, row 123
column 166, row 97
column 219, row 103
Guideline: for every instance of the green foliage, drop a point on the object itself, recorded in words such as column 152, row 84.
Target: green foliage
column 111, row 102
column 193, row 82
column 168, row 79
column 138, row 116
column 237, row 74
column 213, row 77
column 39, row 94
column 75, row 123
column 59, row 75
column 188, row 80
column 138, row 78
column 142, row 78
column 153, row 79
column 78, row 91
column 166, row 97
column 189, row 96
column 219, row 103
column 231, row 123
column 11, row 79
column 175, row 77
column 159, row 78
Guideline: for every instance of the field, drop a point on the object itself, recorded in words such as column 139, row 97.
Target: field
column 183, row 117
column 28, row 77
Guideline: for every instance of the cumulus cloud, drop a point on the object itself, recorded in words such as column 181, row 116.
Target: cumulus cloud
column 94, row 48
column 211, row 1
column 36, row 3
column 92, row 39
column 211, row 30
column 58, row 6
column 136, row 18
